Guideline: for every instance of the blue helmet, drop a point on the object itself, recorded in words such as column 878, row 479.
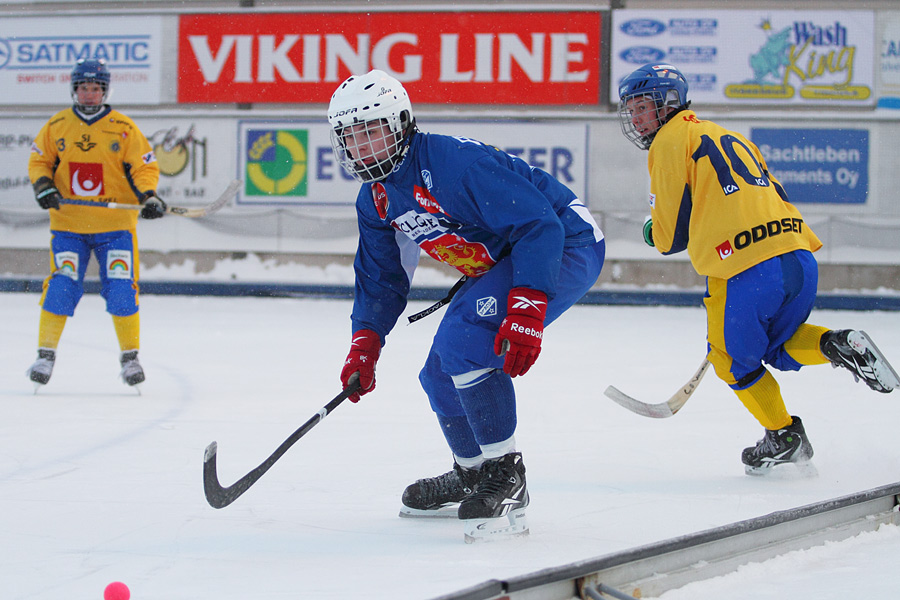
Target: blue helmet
column 665, row 85
column 90, row 70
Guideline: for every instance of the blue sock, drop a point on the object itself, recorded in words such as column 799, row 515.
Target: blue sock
column 490, row 408
column 459, row 436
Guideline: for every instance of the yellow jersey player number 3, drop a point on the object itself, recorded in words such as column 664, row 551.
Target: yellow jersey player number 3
column 86, row 161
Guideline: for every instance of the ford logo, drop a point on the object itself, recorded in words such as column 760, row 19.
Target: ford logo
column 5, row 53
column 642, row 54
column 642, row 27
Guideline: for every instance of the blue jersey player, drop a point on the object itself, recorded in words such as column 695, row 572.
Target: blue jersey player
column 529, row 249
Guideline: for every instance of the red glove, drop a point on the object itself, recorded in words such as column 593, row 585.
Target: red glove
column 522, row 330
column 364, row 351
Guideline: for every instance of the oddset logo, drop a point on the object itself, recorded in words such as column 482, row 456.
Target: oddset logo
column 724, row 250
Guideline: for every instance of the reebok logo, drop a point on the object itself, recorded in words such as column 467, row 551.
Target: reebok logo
column 523, row 303
column 529, row 331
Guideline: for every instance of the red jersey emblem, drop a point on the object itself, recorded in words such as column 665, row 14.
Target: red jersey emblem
column 469, row 258
column 724, row 250
column 86, row 179
column 379, row 195
column 426, row 200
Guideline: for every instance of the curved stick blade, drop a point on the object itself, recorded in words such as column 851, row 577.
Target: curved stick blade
column 654, row 411
column 220, row 497
column 662, row 410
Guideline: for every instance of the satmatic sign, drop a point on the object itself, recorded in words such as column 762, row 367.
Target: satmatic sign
column 37, row 56
column 532, row 58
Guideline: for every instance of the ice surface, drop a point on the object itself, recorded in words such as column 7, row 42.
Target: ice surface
column 98, row 483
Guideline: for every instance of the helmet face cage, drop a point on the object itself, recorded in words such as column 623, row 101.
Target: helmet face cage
column 90, row 71
column 664, row 89
column 368, row 150
column 372, row 120
column 652, row 113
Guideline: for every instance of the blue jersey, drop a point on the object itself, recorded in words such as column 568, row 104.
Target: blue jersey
column 468, row 205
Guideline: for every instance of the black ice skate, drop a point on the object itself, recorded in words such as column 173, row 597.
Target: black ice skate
column 777, row 447
column 132, row 372
column 42, row 368
column 856, row 352
column 439, row 496
column 497, row 508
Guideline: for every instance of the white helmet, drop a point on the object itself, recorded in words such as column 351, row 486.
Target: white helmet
column 371, row 122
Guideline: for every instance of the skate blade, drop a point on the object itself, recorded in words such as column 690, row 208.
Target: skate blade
column 884, row 372
column 37, row 386
column 136, row 387
column 801, row 470
column 450, row 511
column 513, row 524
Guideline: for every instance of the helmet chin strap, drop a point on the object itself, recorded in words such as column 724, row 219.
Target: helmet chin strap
column 671, row 115
column 662, row 120
column 91, row 113
column 88, row 110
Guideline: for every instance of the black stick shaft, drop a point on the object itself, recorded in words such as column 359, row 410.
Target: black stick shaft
column 220, row 497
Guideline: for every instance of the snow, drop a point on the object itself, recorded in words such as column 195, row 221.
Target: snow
column 100, row 484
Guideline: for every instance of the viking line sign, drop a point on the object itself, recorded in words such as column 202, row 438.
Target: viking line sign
column 532, row 58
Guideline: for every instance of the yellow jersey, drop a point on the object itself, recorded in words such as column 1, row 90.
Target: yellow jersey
column 712, row 194
column 106, row 159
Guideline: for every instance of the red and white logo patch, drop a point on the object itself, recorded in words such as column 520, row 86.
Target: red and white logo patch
column 379, row 195
column 724, row 250
column 426, row 200
column 86, row 179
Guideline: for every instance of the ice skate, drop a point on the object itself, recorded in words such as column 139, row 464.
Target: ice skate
column 132, row 372
column 439, row 496
column 497, row 508
column 42, row 369
column 856, row 352
column 777, row 447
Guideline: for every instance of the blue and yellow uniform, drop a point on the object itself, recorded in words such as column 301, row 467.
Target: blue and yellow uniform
column 101, row 157
column 711, row 194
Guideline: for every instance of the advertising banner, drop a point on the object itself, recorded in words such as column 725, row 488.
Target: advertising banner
column 291, row 161
column 523, row 58
column 826, row 166
column 285, row 162
column 888, row 69
column 196, row 158
column 37, row 56
column 752, row 56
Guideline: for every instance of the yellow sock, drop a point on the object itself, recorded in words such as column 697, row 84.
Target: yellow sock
column 763, row 399
column 804, row 345
column 128, row 330
column 50, row 329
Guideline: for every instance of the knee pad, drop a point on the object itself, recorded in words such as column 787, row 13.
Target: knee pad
column 121, row 297
column 62, row 295
column 439, row 388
